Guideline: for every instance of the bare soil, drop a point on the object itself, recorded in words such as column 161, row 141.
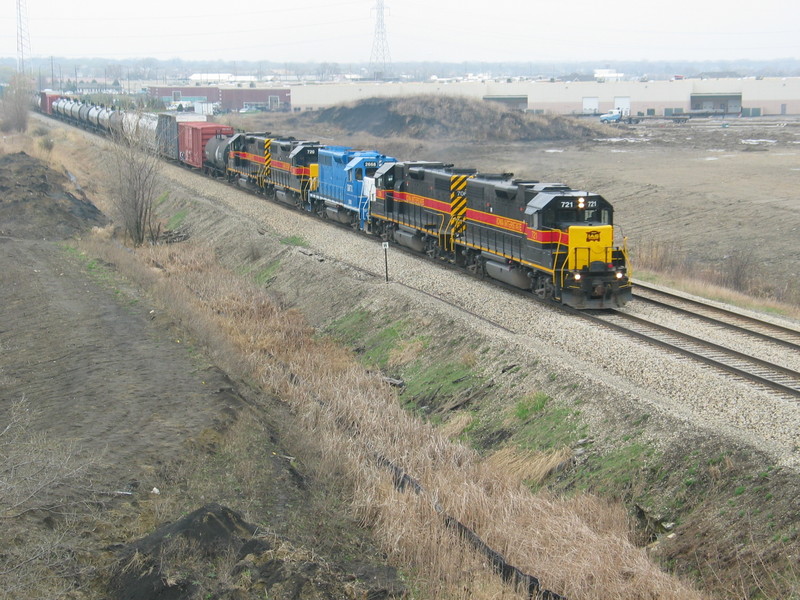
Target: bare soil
column 101, row 369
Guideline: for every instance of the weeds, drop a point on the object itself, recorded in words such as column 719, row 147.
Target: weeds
column 734, row 280
column 351, row 417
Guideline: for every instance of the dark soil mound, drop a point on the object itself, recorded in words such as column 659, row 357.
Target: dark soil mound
column 435, row 117
column 35, row 202
column 214, row 553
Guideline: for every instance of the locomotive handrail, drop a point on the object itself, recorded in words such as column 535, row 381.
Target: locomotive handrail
column 556, row 267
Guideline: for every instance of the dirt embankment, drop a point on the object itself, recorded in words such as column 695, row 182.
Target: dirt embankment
column 118, row 409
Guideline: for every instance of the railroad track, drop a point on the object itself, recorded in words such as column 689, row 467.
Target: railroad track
column 757, row 328
column 779, row 380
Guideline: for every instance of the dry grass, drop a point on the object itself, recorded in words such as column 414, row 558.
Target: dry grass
column 736, row 281
column 353, row 417
column 531, row 467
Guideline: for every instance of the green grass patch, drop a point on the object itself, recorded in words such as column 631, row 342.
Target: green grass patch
column 546, row 425
column 177, row 219
column 267, row 273
column 434, row 384
column 373, row 340
column 616, row 470
column 527, row 407
column 295, row 240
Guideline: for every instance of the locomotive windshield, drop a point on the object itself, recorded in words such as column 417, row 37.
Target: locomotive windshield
column 595, row 216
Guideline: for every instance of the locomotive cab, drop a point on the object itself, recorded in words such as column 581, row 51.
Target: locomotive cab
column 588, row 270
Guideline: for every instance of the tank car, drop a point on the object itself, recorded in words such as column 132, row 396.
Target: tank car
column 93, row 117
column 83, row 115
column 74, row 111
column 217, row 153
column 115, row 124
column 345, row 184
column 59, row 107
column 104, row 120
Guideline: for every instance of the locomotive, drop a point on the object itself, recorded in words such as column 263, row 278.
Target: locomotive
column 546, row 238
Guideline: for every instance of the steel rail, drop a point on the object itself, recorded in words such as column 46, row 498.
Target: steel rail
column 785, row 336
column 780, row 379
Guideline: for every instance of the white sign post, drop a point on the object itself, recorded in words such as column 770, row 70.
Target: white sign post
column 386, row 259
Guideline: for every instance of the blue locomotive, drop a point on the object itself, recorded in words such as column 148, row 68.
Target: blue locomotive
column 345, row 187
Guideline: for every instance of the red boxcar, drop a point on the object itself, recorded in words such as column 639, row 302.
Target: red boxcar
column 192, row 139
column 46, row 100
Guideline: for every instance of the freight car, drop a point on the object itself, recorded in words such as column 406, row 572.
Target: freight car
column 546, row 238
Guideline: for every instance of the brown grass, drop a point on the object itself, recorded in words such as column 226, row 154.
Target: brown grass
column 524, row 466
column 736, row 281
column 352, row 416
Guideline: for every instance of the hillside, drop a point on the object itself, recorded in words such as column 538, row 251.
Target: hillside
column 438, row 118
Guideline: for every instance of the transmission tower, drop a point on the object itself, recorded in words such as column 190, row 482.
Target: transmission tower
column 379, row 60
column 23, row 40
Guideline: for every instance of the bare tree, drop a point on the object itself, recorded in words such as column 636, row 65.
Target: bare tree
column 136, row 177
column 16, row 104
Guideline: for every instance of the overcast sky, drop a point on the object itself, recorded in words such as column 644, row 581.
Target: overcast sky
column 416, row 30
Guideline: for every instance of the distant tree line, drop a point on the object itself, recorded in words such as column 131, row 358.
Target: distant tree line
column 118, row 72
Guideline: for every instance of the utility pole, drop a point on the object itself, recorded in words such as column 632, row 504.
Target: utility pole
column 379, row 60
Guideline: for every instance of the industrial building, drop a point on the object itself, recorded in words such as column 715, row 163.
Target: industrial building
column 224, row 99
column 740, row 97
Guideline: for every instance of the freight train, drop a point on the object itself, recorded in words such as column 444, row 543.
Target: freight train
column 546, row 238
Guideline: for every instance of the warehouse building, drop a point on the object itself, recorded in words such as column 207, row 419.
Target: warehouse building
column 732, row 97
column 224, row 99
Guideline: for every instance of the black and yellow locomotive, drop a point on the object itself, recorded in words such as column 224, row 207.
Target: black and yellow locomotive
column 544, row 237
column 283, row 167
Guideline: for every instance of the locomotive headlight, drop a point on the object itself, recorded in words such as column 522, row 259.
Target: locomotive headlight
column 577, row 276
column 581, row 202
column 620, row 274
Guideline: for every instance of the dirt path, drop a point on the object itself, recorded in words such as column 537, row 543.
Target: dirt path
column 93, row 367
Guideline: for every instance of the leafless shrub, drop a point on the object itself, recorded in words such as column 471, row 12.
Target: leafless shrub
column 656, row 255
column 135, row 174
column 16, row 104
column 738, row 270
column 737, row 274
column 46, row 145
column 37, row 476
